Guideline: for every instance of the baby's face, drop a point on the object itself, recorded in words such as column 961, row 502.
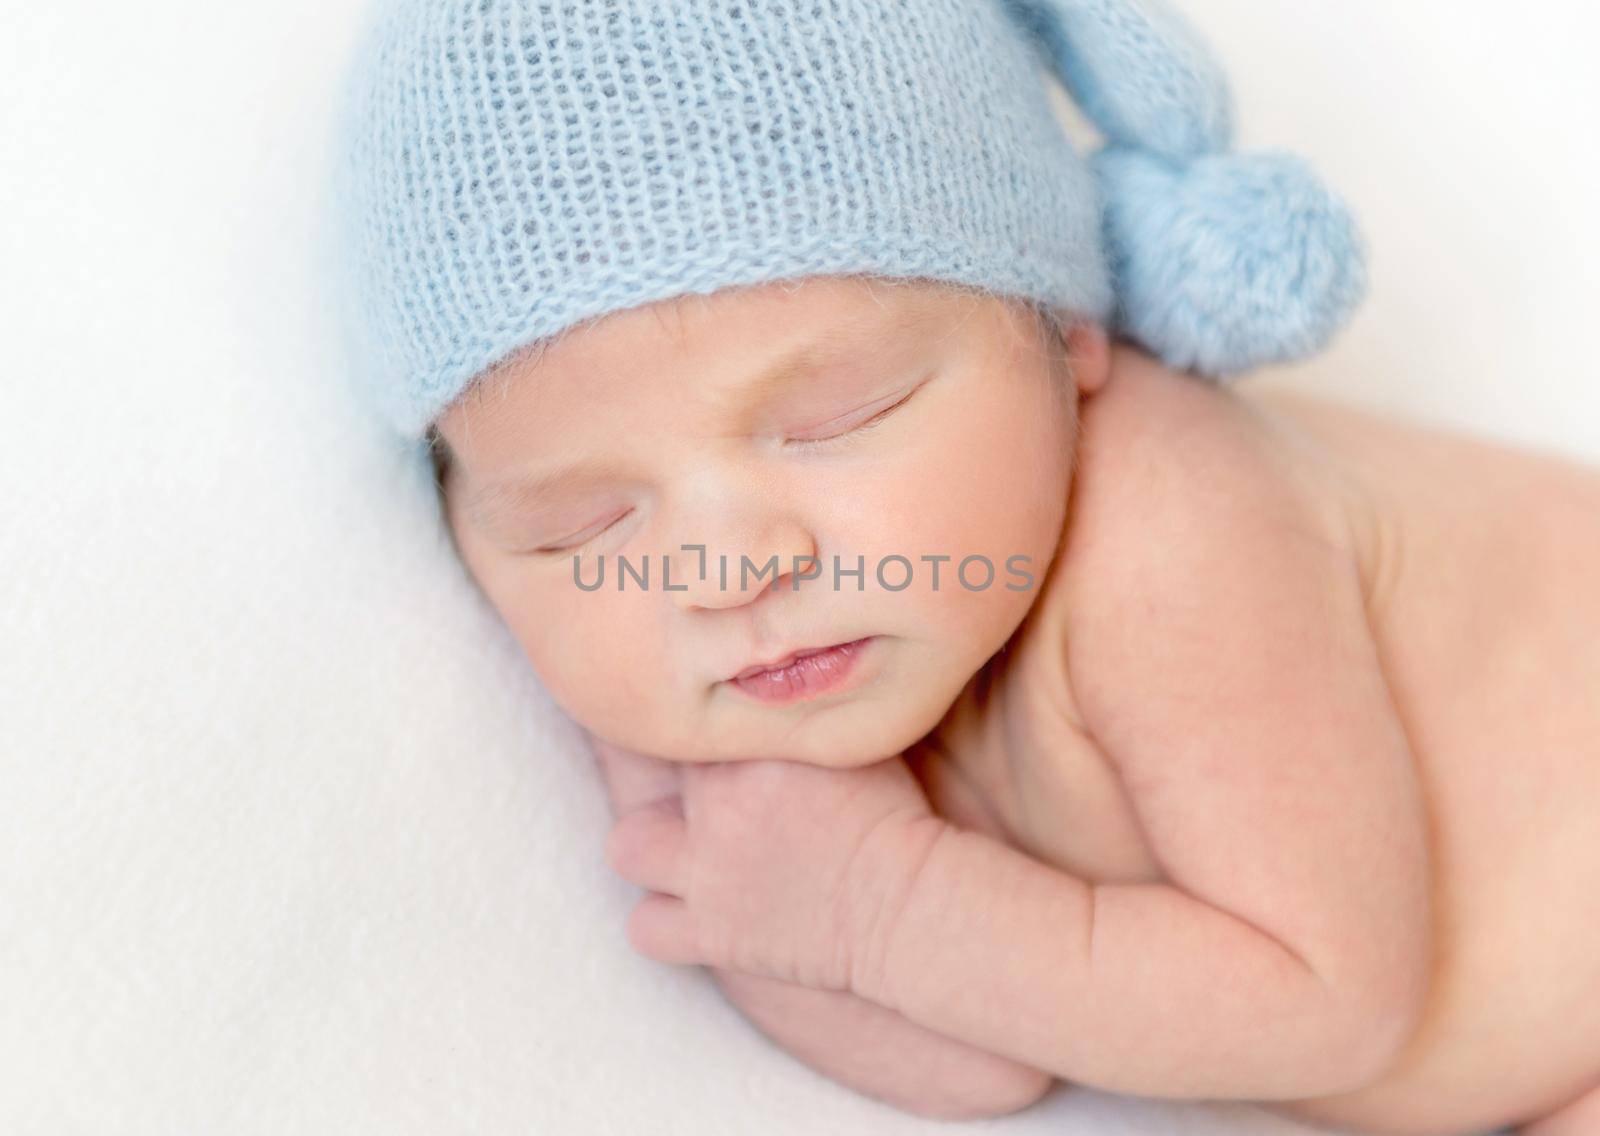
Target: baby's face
column 839, row 418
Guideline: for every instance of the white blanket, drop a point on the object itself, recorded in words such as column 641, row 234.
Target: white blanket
column 293, row 840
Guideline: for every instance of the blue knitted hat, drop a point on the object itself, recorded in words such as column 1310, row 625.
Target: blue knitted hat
column 510, row 168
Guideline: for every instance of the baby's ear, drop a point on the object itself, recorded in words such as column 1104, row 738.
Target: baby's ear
column 1088, row 350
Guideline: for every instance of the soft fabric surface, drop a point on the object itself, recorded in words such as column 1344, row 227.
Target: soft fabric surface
column 293, row 839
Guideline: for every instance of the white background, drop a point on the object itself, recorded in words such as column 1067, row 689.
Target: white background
column 292, row 839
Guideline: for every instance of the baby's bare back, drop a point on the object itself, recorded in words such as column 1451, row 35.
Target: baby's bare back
column 1482, row 567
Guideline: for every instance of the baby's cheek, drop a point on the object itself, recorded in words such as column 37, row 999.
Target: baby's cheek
column 605, row 669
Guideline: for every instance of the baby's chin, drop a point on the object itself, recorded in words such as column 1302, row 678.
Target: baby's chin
column 845, row 735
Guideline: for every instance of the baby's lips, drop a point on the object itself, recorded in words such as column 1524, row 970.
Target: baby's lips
column 793, row 656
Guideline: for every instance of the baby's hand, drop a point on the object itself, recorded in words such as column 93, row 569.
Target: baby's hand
column 773, row 868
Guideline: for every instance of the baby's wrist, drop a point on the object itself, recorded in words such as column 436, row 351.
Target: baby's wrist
column 889, row 870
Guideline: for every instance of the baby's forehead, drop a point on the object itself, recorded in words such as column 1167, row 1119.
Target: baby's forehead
column 818, row 307
column 695, row 335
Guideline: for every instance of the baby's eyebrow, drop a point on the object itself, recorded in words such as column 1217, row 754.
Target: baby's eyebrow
column 826, row 348
column 516, row 493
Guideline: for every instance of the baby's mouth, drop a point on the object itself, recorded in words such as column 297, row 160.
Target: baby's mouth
column 806, row 673
column 791, row 658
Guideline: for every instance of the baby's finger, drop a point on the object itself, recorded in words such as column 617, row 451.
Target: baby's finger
column 648, row 847
column 632, row 779
column 660, row 927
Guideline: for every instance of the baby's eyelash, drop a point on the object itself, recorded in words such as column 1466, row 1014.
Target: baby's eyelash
column 861, row 428
column 558, row 550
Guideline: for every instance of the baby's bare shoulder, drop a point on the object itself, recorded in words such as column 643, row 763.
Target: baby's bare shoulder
column 1167, row 460
column 1156, row 439
column 1202, row 535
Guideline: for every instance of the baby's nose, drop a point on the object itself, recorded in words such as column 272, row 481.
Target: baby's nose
column 737, row 563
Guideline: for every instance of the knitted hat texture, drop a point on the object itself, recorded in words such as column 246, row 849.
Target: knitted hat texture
column 508, row 168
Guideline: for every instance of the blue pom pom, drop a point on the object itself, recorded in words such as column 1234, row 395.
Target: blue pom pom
column 1229, row 262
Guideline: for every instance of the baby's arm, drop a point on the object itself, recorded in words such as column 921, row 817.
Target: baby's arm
column 1228, row 671
column 877, row 1051
column 868, row 1047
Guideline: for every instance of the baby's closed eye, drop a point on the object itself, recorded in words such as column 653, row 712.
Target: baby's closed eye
column 858, row 422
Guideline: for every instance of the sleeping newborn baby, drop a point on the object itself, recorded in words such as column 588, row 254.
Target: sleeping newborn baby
column 1267, row 770
column 988, row 694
